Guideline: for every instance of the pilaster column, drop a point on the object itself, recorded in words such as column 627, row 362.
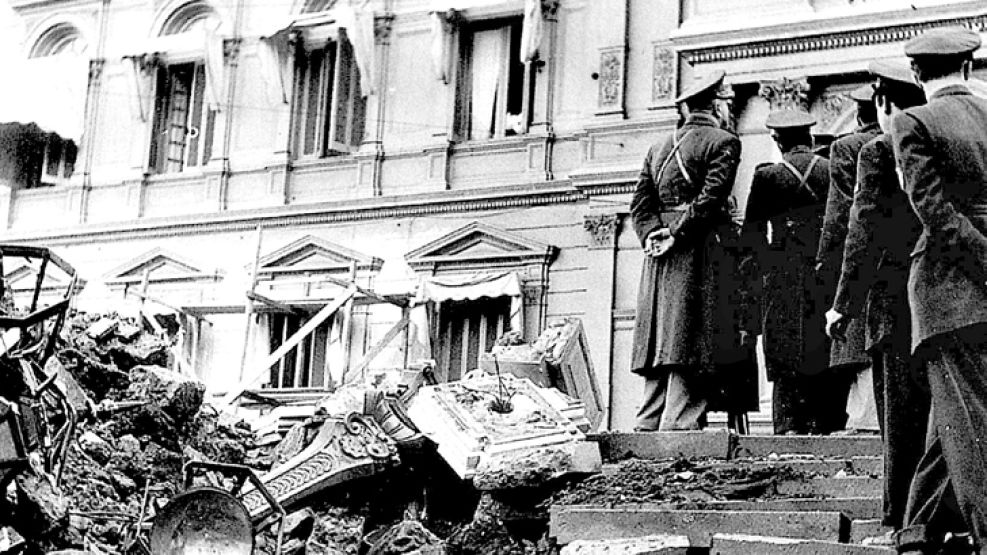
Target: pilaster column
column 601, row 263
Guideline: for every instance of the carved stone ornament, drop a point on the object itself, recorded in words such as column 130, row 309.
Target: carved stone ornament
column 602, row 228
column 786, row 94
column 611, row 78
column 96, row 67
column 382, row 26
column 663, row 74
column 832, row 107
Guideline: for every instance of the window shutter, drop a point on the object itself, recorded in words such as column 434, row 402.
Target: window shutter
column 346, row 101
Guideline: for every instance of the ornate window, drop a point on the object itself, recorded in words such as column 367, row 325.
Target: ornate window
column 186, row 91
column 494, row 84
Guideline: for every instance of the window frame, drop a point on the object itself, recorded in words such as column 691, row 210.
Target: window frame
column 311, row 355
column 456, row 318
column 199, row 116
column 512, row 26
column 340, row 119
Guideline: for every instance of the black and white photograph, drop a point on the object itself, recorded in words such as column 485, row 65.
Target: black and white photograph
column 506, row 277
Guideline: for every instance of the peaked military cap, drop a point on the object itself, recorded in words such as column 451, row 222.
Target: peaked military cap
column 863, row 93
column 705, row 84
column 789, row 119
column 943, row 41
column 892, row 71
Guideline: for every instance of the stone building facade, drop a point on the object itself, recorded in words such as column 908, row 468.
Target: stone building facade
column 482, row 147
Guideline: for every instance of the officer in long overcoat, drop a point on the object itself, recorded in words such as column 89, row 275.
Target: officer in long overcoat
column 941, row 151
column 847, row 353
column 678, row 208
column 790, row 196
column 882, row 231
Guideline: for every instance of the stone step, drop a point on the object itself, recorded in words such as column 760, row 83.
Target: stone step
column 860, row 508
column 575, row 522
column 646, row 545
column 616, row 446
column 737, row 544
column 865, row 528
column 850, row 486
column 820, row 446
column 857, row 466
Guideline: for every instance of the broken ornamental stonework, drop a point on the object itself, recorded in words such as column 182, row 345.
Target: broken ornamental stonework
column 504, row 432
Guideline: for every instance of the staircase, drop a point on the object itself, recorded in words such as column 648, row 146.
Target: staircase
column 825, row 498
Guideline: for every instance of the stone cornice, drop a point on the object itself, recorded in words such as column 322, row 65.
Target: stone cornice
column 823, row 40
column 444, row 202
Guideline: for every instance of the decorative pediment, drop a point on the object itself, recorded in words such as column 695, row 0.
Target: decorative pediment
column 310, row 255
column 24, row 278
column 479, row 246
column 160, row 266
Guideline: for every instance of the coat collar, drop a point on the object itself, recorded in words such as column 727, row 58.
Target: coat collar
column 800, row 149
column 701, row 119
column 951, row 90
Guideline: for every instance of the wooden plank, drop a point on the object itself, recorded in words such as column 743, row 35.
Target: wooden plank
column 248, row 308
column 742, row 544
column 379, row 346
column 363, row 291
column 820, row 446
column 264, row 365
column 282, row 307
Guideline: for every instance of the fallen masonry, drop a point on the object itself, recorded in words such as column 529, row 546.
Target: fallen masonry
column 489, row 464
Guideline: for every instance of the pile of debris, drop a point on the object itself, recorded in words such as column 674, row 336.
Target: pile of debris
column 139, row 422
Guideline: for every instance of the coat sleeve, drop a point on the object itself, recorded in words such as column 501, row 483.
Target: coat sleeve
column 707, row 209
column 645, row 203
column 837, row 207
column 951, row 232
column 861, row 253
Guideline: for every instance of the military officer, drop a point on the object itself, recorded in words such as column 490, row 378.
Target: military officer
column 941, row 151
column 847, row 352
column 791, row 197
column 882, row 231
column 679, row 203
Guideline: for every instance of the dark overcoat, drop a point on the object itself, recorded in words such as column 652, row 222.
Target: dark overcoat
column 882, row 231
column 681, row 321
column 842, row 178
column 792, row 302
column 941, row 149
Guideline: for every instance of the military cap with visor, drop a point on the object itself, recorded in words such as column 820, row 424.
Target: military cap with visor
column 706, row 85
column 863, row 93
column 788, row 119
column 944, row 41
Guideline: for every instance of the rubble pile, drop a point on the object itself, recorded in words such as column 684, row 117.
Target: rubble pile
column 681, row 481
column 143, row 421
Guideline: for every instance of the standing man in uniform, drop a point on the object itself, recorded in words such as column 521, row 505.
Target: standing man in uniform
column 791, row 197
column 872, row 289
column 678, row 204
column 850, row 363
column 941, row 150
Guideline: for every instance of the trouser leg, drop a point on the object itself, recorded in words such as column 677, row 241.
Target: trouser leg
column 787, row 405
column 878, row 367
column 685, row 404
column 906, row 415
column 955, row 462
column 827, row 395
column 653, row 404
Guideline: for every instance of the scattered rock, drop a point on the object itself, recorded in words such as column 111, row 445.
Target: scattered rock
column 96, row 447
column 299, row 524
column 408, row 536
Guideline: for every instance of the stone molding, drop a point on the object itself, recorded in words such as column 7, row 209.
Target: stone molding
column 786, row 94
column 610, row 99
column 602, row 228
column 825, row 41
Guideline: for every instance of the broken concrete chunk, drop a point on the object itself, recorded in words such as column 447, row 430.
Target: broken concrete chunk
column 647, row 545
column 96, row 447
column 128, row 332
column 408, row 536
column 102, row 328
column 475, row 421
column 180, row 396
column 299, row 524
column 534, row 468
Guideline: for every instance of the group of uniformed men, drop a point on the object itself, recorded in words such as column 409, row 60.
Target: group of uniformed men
column 874, row 259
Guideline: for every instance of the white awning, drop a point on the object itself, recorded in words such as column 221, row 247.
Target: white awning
column 201, row 43
column 49, row 92
column 470, row 287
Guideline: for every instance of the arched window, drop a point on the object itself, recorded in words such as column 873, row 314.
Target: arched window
column 59, row 153
column 187, row 85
